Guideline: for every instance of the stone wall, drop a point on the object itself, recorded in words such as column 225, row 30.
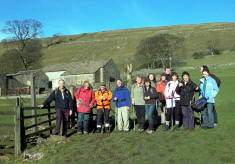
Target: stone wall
column 77, row 80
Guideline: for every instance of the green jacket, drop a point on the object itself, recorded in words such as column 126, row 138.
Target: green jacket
column 138, row 94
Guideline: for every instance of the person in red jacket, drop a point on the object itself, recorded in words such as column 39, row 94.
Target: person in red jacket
column 161, row 86
column 85, row 99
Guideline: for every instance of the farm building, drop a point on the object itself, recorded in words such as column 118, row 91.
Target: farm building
column 76, row 73
column 20, row 82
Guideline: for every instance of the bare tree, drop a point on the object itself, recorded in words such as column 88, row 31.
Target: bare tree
column 212, row 47
column 21, row 33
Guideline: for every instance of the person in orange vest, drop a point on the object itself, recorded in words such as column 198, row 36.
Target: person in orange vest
column 161, row 86
column 103, row 97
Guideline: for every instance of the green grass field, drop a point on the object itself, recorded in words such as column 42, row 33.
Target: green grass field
column 212, row 146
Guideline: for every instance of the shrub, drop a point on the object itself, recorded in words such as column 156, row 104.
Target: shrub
column 199, row 55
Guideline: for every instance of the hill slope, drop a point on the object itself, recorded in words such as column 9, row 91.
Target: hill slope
column 121, row 44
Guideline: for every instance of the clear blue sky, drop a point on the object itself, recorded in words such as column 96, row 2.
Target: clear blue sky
column 83, row 16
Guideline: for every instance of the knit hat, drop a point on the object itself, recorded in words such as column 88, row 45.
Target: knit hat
column 147, row 80
column 102, row 84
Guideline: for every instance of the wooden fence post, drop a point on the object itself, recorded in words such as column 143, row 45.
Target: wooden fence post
column 33, row 101
column 49, row 118
column 19, row 129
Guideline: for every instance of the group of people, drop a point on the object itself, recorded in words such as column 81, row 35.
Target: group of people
column 170, row 96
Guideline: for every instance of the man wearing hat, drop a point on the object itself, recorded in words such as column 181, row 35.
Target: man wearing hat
column 103, row 98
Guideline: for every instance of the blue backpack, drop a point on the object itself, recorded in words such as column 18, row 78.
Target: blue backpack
column 199, row 105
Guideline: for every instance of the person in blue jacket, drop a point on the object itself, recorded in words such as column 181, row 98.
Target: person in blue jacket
column 209, row 90
column 121, row 96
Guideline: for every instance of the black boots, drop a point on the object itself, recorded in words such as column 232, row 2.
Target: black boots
column 176, row 127
column 84, row 125
column 107, row 130
column 98, row 130
column 166, row 127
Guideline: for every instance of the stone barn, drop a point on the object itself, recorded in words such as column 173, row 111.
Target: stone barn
column 21, row 82
column 76, row 73
column 3, row 84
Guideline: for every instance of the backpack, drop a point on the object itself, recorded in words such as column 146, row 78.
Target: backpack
column 135, row 86
column 199, row 105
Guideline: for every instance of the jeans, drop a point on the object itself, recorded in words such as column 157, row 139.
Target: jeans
column 208, row 116
column 83, row 121
column 150, row 112
column 188, row 117
column 215, row 116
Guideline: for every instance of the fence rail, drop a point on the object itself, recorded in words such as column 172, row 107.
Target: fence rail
column 20, row 128
column 7, row 113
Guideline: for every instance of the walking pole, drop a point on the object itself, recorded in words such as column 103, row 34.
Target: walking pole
column 134, row 115
column 172, row 112
column 116, row 113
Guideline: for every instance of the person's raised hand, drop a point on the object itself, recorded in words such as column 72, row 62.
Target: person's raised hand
column 40, row 106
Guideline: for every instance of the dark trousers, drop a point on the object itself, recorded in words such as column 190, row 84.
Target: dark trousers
column 177, row 112
column 102, row 116
column 62, row 115
column 140, row 113
column 188, row 117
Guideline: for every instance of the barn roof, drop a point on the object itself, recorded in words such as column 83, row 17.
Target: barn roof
column 76, row 68
column 23, row 72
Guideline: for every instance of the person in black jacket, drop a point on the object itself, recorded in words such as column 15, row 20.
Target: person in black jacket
column 168, row 74
column 204, row 67
column 63, row 105
column 150, row 97
column 186, row 90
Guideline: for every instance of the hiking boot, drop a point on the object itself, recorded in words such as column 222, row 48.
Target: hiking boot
column 98, row 130
column 56, row 133
column 165, row 128
column 177, row 128
column 204, row 127
column 79, row 132
column 140, row 130
column 107, row 130
column 85, row 132
column 150, row 131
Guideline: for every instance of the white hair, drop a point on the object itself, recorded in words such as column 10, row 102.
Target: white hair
column 62, row 81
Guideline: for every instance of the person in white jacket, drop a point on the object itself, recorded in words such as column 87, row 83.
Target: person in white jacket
column 172, row 102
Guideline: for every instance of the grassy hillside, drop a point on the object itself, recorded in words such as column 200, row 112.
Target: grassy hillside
column 121, row 44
